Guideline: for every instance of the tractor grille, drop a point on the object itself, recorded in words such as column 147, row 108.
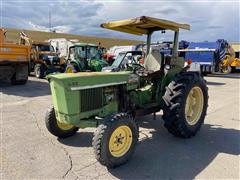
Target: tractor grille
column 91, row 99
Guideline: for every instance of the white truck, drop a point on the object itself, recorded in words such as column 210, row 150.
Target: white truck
column 115, row 50
column 61, row 45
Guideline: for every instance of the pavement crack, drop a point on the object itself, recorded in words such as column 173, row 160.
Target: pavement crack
column 54, row 144
column 79, row 170
column 70, row 162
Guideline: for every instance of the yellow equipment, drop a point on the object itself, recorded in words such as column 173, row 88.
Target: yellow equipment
column 231, row 61
column 14, row 60
column 236, row 62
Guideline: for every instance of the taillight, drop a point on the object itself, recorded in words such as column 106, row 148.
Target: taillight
column 189, row 61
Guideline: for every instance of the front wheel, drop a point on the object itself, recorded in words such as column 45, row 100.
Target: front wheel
column 226, row 69
column 39, row 70
column 57, row 128
column 115, row 140
column 186, row 101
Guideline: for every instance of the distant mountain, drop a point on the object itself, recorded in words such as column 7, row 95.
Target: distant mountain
column 13, row 35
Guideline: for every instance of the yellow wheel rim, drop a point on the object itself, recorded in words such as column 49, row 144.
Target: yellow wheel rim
column 64, row 126
column 194, row 105
column 69, row 70
column 120, row 141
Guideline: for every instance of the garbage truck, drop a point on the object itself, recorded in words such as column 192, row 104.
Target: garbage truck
column 208, row 56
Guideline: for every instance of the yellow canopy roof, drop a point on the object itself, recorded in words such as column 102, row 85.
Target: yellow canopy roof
column 143, row 25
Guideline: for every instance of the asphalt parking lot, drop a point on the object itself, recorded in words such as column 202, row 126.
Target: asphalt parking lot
column 28, row 150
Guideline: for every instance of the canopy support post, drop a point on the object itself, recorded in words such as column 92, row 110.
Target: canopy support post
column 148, row 42
column 175, row 44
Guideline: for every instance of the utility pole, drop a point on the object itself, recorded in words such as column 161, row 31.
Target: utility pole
column 50, row 18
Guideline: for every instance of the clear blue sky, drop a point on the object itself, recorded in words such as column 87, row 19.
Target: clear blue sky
column 209, row 20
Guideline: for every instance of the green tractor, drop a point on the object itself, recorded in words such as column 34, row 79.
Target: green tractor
column 112, row 101
column 84, row 57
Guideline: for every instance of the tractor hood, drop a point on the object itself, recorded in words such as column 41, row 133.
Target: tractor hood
column 90, row 80
column 78, row 95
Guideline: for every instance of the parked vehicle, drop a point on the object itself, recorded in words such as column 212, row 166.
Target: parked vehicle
column 111, row 101
column 115, row 50
column 84, row 57
column 208, row 55
column 14, row 60
column 235, row 64
column 43, row 60
column 62, row 45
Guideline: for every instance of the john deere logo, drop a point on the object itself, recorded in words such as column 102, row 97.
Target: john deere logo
column 73, row 84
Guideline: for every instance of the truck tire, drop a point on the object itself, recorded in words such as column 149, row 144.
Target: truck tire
column 14, row 80
column 114, row 140
column 56, row 128
column 226, row 70
column 185, row 107
column 39, row 71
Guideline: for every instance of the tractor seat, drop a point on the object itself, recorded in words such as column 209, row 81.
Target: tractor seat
column 152, row 64
column 153, row 60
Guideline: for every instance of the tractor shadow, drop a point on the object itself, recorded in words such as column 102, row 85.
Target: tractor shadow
column 235, row 75
column 33, row 88
column 210, row 83
column 80, row 139
column 161, row 155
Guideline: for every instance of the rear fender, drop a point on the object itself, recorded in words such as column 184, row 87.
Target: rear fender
column 166, row 79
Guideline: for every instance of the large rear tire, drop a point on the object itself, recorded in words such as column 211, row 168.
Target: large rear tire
column 186, row 101
column 57, row 128
column 115, row 140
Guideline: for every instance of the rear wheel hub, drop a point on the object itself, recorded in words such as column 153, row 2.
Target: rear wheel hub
column 194, row 105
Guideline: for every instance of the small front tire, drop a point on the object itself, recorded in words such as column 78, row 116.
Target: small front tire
column 57, row 128
column 39, row 70
column 115, row 140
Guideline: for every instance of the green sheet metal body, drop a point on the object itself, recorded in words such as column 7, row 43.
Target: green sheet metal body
column 82, row 95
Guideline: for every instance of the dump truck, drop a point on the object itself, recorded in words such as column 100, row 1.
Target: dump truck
column 43, row 59
column 113, row 101
column 14, row 60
